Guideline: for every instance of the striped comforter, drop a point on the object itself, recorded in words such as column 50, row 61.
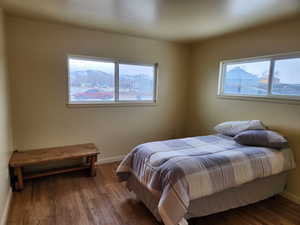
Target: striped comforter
column 181, row 170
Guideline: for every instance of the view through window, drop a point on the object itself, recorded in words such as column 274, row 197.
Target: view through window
column 93, row 81
column 136, row 82
column 247, row 78
column 286, row 80
column 270, row 77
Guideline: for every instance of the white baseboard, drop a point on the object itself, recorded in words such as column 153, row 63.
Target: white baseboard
column 292, row 197
column 110, row 159
column 4, row 217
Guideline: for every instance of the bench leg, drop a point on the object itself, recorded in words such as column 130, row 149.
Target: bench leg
column 19, row 183
column 93, row 160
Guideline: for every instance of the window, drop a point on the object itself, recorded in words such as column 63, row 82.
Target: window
column 98, row 81
column 275, row 76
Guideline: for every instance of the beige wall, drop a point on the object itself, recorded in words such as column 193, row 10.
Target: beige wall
column 5, row 125
column 37, row 63
column 206, row 110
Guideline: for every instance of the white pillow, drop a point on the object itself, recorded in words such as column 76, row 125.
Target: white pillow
column 232, row 128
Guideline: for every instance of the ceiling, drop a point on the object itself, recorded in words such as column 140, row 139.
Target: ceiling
column 174, row 20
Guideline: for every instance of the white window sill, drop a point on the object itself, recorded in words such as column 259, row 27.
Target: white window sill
column 272, row 99
column 110, row 104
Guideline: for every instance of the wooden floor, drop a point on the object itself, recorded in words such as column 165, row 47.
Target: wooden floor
column 75, row 199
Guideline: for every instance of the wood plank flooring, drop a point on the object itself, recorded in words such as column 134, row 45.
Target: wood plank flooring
column 75, row 199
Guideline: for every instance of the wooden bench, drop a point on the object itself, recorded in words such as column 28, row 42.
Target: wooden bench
column 20, row 159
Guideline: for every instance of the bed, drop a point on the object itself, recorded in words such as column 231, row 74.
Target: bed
column 182, row 178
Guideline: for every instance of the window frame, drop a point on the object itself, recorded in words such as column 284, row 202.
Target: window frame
column 269, row 96
column 116, row 101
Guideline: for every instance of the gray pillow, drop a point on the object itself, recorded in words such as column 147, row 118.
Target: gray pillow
column 261, row 138
column 232, row 128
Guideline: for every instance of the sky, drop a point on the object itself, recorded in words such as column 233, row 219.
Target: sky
column 288, row 70
column 108, row 67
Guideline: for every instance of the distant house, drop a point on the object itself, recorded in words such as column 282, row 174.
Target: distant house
column 238, row 79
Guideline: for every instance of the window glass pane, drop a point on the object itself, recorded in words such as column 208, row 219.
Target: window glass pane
column 286, row 80
column 246, row 78
column 136, row 82
column 91, row 81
